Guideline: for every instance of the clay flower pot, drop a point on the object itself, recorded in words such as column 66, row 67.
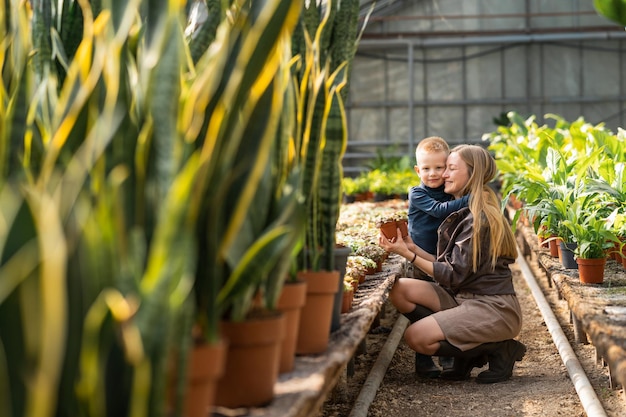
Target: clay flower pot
column 290, row 303
column 316, row 315
column 554, row 248
column 403, row 225
column 346, row 304
column 206, row 364
column 389, row 229
column 591, row 271
column 252, row 361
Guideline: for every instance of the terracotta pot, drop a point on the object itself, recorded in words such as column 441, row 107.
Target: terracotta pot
column 364, row 196
column 290, row 303
column 389, row 229
column 623, row 258
column 205, row 366
column 514, row 202
column 403, row 225
column 371, row 271
column 615, row 253
column 591, row 271
column 315, row 318
column 554, row 248
column 346, row 305
column 252, row 361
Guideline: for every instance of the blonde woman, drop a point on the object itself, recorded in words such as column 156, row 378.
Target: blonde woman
column 471, row 311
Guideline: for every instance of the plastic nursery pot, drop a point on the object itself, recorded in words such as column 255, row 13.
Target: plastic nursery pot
column 554, row 248
column 591, row 271
column 568, row 260
column 347, row 298
column 316, row 314
column 389, row 229
column 403, row 225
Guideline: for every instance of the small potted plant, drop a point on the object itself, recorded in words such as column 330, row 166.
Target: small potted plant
column 619, row 228
column 373, row 252
column 594, row 236
column 360, row 266
column 388, row 223
column 354, row 189
column 348, row 294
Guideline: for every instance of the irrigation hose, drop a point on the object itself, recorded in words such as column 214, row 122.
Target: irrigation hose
column 377, row 373
column 588, row 398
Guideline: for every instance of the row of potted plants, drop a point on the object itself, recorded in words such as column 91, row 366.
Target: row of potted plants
column 166, row 168
column 378, row 185
column 358, row 228
column 568, row 181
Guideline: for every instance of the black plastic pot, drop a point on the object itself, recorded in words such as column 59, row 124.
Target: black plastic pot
column 567, row 255
column 341, row 258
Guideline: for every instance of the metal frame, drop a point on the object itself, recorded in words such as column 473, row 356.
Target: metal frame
column 532, row 41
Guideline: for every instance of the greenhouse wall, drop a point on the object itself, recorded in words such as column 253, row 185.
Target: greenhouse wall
column 449, row 68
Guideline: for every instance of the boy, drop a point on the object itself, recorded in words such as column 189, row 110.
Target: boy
column 429, row 205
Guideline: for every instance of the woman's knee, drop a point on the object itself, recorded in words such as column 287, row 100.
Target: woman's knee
column 424, row 336
column 417, row 342
column 410, row 291
column 398, row 293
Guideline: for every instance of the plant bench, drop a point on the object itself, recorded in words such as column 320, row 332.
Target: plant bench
column 598, row 312
column 302, row 392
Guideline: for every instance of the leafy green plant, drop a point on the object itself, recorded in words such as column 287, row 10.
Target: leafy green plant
column 387, row 160
column 350, row 186
column 402, row 181
column 593, row 235
column 380, row 182
column 614, row 10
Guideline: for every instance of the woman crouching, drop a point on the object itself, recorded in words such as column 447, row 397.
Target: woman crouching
column 471, row 311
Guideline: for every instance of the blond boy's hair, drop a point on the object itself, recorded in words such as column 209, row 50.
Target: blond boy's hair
column 431, row 144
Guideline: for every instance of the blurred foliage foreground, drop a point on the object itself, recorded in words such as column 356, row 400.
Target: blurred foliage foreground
column 152, row 154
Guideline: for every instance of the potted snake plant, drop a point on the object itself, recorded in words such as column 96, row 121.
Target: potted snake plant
column 113, row 239
column 325, row 42
column 246, row 214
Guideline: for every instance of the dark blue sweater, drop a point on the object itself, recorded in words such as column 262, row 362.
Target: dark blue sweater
column 428, row 207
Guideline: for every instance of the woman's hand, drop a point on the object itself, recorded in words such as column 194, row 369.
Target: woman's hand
column 405, row 247
column 395, row 244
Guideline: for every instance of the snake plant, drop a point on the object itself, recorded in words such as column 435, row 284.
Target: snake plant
column 326, row 42
column 145, row 184
column 119, row 134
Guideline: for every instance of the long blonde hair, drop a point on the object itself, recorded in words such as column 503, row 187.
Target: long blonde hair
column 485, row 205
